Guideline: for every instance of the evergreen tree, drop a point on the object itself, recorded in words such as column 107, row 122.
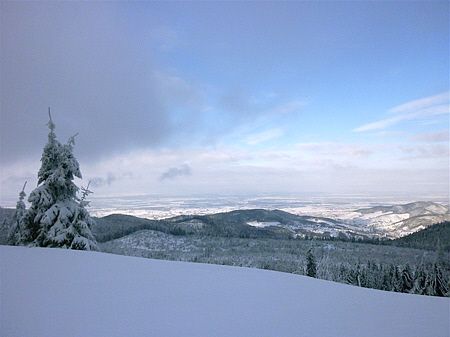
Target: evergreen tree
column 354, row 277
column 436, row 285
column 391, row 275
column 441, row 258
column 386, row 283
column 311, row 267
column 397, row 280
column 15, row 234
column 375, row 276
column 364, row 278
column 57, row 217
column 420, row 281
column 448, row 287
column 406, row 280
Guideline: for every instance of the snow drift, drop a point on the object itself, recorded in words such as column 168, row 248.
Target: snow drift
column 56, row 292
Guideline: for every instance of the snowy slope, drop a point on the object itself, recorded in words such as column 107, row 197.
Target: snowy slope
column 55, row 292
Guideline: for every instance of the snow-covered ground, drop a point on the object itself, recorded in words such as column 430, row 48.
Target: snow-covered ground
column 55, row 292
column 262, row 224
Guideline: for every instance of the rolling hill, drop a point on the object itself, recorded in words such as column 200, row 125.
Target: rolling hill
column 390, row 222
column 430, row 238
column 376, row 222
column 401, row 220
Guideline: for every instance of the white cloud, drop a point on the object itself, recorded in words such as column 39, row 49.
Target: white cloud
column 421, row 103
column 381, row 124
column 320, row 167
column 422, row 109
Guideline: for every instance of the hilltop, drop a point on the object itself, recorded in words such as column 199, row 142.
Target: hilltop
column 42, row 290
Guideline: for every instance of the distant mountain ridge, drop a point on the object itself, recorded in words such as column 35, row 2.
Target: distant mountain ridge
column 244, row 223
column 401, row 220
column 387, row 221
column 375, row 222
column 414, row 208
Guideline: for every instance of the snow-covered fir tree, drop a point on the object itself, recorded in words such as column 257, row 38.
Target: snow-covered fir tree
column 436, row 285
column 15, row 234
column 406, row 279
column 311, row 268
column 57, row 217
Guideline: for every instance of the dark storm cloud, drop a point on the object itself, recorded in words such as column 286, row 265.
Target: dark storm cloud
column 173, row 172
column 103, row 181
column 92, row 66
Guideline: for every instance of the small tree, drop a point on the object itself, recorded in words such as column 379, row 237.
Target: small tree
column 57, row 217
column 15, row 234
column 311, row 267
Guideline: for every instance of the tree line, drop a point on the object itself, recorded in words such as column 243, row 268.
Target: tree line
column 424, row 279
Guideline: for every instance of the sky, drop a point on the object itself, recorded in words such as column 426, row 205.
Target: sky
column 205, row 98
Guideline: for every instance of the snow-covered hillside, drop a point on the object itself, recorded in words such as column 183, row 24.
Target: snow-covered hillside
column 55, row 292
column 391, row 221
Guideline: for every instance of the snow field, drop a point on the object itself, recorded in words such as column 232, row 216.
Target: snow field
column 57, row 292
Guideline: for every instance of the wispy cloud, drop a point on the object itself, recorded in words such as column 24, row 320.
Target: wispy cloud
column 421, row 109
column 421, row 103
column 264, row 136
column 381, row 124
column 248, row 121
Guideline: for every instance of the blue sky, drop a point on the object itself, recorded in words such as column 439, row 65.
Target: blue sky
column 231, row 97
